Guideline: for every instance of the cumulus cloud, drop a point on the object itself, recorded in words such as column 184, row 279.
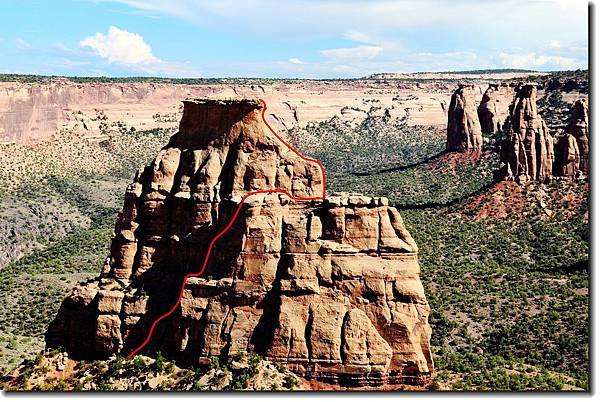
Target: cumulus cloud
column 129, row 51
column 120, row 46
column 353, row 53
column 295, row 60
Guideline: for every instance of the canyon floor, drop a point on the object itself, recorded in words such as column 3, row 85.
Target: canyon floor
column 505, row 267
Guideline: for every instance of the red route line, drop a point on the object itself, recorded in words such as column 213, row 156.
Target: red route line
column 231, row 221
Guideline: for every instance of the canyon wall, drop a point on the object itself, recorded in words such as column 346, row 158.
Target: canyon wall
column 30, row 113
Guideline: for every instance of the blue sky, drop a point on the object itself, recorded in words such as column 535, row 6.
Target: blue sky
column 288, row 38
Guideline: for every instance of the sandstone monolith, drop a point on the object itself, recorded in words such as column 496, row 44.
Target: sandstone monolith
column 330, row 288
column 464, row 130
column 528, row 149
column 493, row 111
column 579, row 127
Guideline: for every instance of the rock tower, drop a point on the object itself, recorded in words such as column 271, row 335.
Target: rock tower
column 493, row 110
column 327, row 286
column 528, row 150
column 579, row 128
column 572, row 148
column 464, row 130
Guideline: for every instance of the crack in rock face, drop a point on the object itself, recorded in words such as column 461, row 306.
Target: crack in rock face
column 329, row 288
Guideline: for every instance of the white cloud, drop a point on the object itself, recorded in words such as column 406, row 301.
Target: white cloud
column 295, row 60
column 360, row 37
column 127, row 51
column 536, row 61
column 555, row 44
column 22, row 44
column 353, row 53
column 120, row 46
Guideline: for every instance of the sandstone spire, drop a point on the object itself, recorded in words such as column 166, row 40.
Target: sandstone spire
column 579, row 127
column 528, row 150
column 572, row 148
column 329, row 288
column 494, row 107
column 568, row 156
column 464, row 130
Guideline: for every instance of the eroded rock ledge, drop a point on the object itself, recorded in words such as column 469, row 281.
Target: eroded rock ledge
column 329, row 288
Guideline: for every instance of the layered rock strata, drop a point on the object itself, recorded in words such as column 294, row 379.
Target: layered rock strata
column 464, row 130
column 330, row 288
column 493, row 111
column 528, row 150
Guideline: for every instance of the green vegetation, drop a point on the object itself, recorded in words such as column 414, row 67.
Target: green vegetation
column 65, row 231
column 378, row 143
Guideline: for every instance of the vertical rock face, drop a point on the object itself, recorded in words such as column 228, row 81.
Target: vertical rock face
column 494, row 107
column 464, row 130
column 528, row 150
column 329, row 288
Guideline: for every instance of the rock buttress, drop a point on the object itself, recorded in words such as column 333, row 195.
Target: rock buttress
column 329, row 288
column 464, row 130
